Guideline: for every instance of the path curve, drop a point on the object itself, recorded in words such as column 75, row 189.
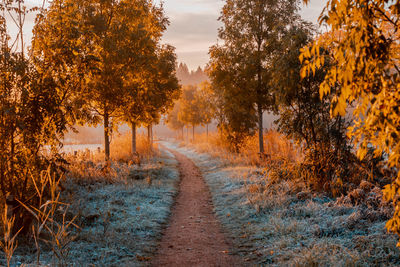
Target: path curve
column 193, row 237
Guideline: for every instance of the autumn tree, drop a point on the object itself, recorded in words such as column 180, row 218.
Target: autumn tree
column 172, row 119
column 152, row 91
column 33, row 114
column 115, row 36
column 58, row 54
column 164, row 86
column 236, row 116
column 364, row 43
column 250, row 34
column 190, row 113
column 197, row 106
column 207, row 102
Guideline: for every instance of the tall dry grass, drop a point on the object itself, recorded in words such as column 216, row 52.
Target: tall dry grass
column 89, row 166
column 281, row 173
column 8, row 243
column 121, row 148
column 280, row 168
column 46, row 220
column 277, row 148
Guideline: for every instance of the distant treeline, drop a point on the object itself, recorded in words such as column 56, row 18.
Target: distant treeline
column 187, row 77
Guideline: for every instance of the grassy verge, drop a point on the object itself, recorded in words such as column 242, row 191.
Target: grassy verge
column 279, row 223
column 121, row 212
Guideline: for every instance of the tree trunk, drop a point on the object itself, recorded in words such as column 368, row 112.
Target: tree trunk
column 148, row 134
column 207, row 132
column 193, row 134
column 259, row 96
column 106, row 136
column 133, row 129
column 187, row 133
column 183, row 133
column 151, row 135
column 260, row 129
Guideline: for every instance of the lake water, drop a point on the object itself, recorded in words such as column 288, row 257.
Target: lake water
column 81, row 147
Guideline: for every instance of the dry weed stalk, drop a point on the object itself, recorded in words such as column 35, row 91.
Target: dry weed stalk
column 61, row 237
column 9, row 243
column 45, row 214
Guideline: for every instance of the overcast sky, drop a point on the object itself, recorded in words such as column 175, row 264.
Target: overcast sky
column 194, row 26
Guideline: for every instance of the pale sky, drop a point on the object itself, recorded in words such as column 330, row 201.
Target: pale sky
column 193, row 27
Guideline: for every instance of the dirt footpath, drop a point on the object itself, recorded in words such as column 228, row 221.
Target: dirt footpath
column 193, row 237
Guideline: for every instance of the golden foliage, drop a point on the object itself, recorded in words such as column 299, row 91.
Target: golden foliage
column 366, row 69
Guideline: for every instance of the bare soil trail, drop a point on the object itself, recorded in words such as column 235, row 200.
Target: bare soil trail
column 193, row 237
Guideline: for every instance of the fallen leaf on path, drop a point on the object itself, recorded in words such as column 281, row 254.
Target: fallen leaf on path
column 142, row 258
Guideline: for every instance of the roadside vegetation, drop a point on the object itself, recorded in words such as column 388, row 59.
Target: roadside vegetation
column 335, row 145
column 102, row 214
column 88, row 63
column 318, row 189
column 275, row 217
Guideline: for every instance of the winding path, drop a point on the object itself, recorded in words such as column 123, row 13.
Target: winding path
column 193, row 237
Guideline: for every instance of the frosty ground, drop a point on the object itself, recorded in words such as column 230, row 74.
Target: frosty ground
column 276, row 225
column 120, row 221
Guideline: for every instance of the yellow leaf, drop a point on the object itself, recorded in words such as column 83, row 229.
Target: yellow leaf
column 318, row 62
column 303, row 72
column 301, row 57
column 361, row 153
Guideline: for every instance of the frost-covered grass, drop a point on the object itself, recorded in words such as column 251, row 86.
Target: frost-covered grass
column 120, row 220
column 272, row 224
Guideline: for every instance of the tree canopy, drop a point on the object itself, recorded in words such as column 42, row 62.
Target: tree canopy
column 111, row 49
column 251, row 34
